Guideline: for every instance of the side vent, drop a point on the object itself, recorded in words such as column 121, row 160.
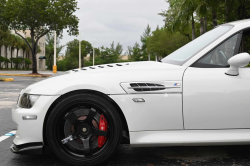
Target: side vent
column 146, row 87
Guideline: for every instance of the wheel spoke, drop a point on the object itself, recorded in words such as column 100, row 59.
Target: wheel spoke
column 72, row 119
column 86, row 146
column 99, row 132
column 90, row 116
column 68, row 139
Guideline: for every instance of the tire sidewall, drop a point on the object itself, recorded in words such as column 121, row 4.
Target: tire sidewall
column 107, row 150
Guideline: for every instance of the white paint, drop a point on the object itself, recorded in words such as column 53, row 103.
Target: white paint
column 190, row 137
column 158, row 112
column 107, row 80
column 214, row 100
column 5, row 137
column 26, row 133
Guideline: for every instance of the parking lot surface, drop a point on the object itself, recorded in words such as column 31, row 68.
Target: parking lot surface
column 125, row 155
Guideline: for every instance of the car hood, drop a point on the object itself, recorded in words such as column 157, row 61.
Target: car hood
column 107, row 78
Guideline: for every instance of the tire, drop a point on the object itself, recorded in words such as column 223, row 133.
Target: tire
column 77, row 118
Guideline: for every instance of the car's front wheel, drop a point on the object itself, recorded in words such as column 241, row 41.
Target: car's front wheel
column 84, row 129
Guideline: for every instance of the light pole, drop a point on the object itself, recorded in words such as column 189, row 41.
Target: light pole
column 94, row 53
column 80, row 49
column 54, row 67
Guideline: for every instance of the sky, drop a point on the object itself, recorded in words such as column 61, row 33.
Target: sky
column 104, row 21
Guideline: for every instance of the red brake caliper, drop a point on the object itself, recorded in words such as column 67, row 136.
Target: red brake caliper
column 103, row 125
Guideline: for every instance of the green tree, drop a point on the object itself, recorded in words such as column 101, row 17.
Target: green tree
column 163, row 42
column 186, row 10
column 144, row 37
column 144, row 40
column 135, row 53
column 174, row 25
column 27, row 63
column 108, row 54
column 40, row 17
column 72, row 52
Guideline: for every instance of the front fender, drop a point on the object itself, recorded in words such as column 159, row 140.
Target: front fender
column 72, row 82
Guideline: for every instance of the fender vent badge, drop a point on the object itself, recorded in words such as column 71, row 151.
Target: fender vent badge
column 138, row 100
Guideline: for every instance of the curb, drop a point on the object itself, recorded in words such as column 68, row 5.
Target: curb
column 6, row 79
column 24, row 75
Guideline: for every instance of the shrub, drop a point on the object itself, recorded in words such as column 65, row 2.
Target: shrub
column 17, row 61
column 4, row 60
column 27, row 63
column 62, row 65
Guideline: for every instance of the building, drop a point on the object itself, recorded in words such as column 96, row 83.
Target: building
column 40, row 57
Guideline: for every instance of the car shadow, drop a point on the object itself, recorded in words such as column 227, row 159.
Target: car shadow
column 126, row 155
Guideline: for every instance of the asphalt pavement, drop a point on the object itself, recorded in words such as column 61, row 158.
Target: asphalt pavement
column 125, row 155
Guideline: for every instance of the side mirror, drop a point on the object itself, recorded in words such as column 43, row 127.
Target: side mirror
column 237, row 61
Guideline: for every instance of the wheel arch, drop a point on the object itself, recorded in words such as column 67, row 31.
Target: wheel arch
column 125, row 138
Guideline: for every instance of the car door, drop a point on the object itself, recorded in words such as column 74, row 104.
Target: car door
column 212, row 99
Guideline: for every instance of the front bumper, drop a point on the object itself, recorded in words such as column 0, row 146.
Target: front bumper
column 30, row 131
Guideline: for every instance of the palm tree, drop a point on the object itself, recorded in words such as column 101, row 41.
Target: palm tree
column 202, row 11
column 27, row 52
column 184, row 10
column 1, row 42
column 13, row 40
column 18, row 45
column 26, row 48
column 6, row 43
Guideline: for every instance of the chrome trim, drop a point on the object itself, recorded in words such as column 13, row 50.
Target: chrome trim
column 143, row 92
column 138, row 100
column 153, row 87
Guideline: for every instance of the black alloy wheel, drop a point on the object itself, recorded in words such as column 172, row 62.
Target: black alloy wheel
column 72, row 129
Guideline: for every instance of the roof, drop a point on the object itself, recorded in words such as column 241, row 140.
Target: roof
column 239, row 22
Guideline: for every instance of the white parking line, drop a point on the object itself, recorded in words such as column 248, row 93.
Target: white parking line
column 5, row 137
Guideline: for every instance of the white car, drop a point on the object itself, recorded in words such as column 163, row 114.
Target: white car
column 198, row 95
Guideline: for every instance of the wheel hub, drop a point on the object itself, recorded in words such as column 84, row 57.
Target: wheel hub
column 84, row 130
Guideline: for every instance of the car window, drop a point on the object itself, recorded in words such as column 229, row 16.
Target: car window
column 219, row 56
column 182, row 55
column 245, row 42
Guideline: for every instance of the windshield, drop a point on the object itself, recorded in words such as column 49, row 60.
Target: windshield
column 182, row 55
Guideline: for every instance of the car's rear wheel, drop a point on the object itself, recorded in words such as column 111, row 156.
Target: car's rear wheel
column 74, row 130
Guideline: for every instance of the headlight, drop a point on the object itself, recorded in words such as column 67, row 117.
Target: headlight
column 27, row 100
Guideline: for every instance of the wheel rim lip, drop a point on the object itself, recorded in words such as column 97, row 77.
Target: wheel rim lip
column 66, row 109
